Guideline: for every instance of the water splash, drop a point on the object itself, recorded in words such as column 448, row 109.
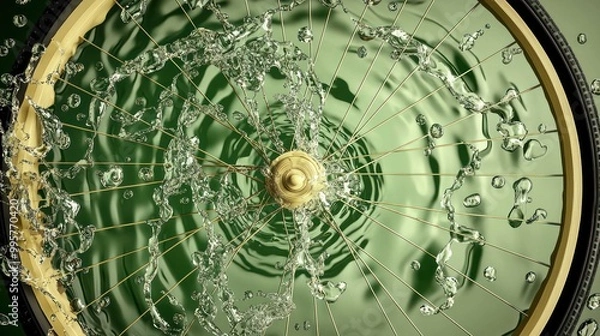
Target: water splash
column 593, row 301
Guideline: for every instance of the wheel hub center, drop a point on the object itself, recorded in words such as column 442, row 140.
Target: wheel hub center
column 295, row 179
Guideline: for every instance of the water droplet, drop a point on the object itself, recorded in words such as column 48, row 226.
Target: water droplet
column 74, row 100
column 3, row 51
column 366, row 33
column 421, row 120
column 239, row 116
column 19, row 20
column 534, row 149
column 372, row 2
column 102, row 303
column 328, row 291
column 490, row 273
column 468, row 41
column 436, row 131
column 305, row 35
column 582, row 38
column 128, row 194
column 297, row 326
column 593, row 301
column 508, row 54
column 472, row 200
column 587, row 328
column 515, row 216
column 538, row 214
column 113, row 177
column 6, row 78
column 522, row 187
column 99, row 84
column 498, row 181
column 64, row 107
column 542, row 128
column 427, row 310
column 146, row 174
column 362, row 52
column 393, row 6
column 178, row 318
column 530, row 277
column 99, row 66
column 306, row 325
column 415, row 265
column 140, row 101
column 77, row 305
column 595, row 86
column 4, row 319
column 248, row 295
column 488, row 26
column 10, row 42
column 396, row 54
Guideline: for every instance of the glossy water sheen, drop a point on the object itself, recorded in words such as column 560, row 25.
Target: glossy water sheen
column 423, row 199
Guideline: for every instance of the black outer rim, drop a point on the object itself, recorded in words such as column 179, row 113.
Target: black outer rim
column 576, row 290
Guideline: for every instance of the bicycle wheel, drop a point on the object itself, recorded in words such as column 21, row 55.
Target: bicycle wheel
column 318, row 167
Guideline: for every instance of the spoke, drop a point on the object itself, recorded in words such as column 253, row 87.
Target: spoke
column 97, row 191
column 321, row 37
column 466, row 214
column 282, row 23
column 486, row 242
column 108, row 135
column 287, row 234
column 361, row 84
column 165, row 294
column 247, row 8
column 188, row 77
column 226, row 124
column 266, row 220
column 359, row 127
column 401, row 149
column 484, row 175
column 310, row 26
column 272, row 121
column 173, row 136
column 124, row 225
column 410, row 242
column 357, row 258
column 337, row 332
column 238, row 168
column 139, row 249
column 189, row 327
column 186, row 14
column 316, row 315
column 345, row 53
column 256, row 122
column 388, row 270
column 455, row 122
column 186, row 237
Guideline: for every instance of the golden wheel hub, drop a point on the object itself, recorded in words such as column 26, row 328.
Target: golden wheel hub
column 295, row 179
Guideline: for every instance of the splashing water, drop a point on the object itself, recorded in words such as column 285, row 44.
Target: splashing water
column 248, row 56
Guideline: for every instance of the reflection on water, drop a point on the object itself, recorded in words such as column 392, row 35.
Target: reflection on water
column 154, row 159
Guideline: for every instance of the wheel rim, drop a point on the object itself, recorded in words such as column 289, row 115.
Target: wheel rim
column 367, row 213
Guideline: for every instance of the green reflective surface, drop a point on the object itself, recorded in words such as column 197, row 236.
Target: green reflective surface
column 395, row 166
